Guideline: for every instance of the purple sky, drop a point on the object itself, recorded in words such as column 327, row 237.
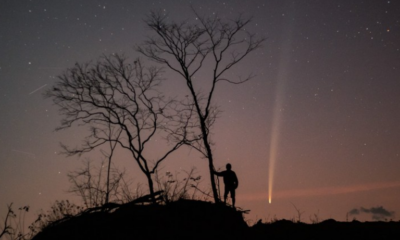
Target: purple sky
column 325, row 97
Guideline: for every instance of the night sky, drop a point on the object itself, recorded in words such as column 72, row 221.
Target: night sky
column 319, row 122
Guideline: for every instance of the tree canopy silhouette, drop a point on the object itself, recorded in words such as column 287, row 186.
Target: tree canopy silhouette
column 210, row 46
column 120, row 103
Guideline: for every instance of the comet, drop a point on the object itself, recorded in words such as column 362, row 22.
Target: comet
column 274, row 144
column 278, row 110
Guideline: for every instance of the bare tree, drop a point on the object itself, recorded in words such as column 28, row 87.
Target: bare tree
column 299, row 213
column 109, row 155
column 14, row 224
column 7, row 228
column 120, row 103
column 210, row 45
column 95, row 189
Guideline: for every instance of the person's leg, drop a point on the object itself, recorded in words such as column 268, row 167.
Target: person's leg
column 233, row 197
column 226, row 194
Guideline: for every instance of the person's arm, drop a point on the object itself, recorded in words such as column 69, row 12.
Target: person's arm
column 218, row 173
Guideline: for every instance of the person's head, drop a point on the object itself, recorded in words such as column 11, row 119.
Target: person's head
column 228, row 166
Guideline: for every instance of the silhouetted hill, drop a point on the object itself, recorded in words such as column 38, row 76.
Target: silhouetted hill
column 185, row 219
column 327, row 230
column 188, row 219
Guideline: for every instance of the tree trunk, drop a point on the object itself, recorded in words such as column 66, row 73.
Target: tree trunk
column 108, row 180
column 210, row 163
column 151, row 187
column 213, row 185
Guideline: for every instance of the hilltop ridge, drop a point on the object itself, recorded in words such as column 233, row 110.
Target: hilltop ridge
column 192, row 219
column 183, row 219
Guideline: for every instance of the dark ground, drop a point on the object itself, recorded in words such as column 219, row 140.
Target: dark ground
column 188, row 219
column 329, row 229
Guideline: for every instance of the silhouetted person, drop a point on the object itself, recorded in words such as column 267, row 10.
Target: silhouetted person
column 230, row 181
